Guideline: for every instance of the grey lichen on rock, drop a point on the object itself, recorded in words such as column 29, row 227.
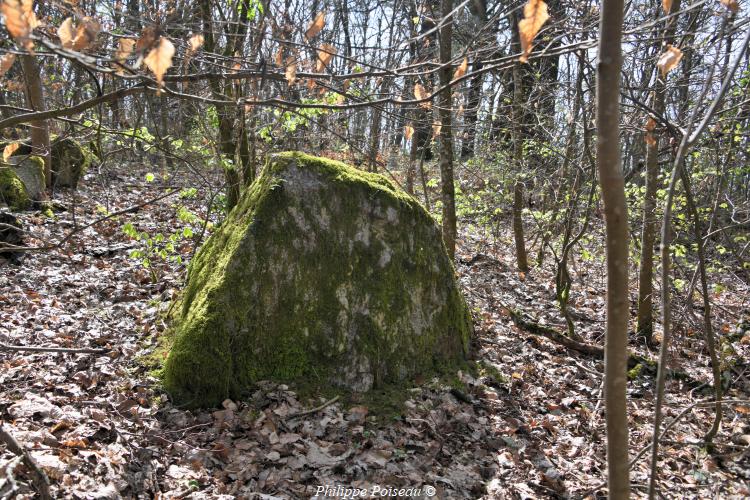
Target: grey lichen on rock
column 323, row 275
column 70, row 161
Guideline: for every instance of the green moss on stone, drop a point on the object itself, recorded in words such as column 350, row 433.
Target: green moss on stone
column 12, row 190
column 324, row 275
column 70, row 161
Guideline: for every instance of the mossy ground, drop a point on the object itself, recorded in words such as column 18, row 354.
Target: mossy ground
column 297, row 291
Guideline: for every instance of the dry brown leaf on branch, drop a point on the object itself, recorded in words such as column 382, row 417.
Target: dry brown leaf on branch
column 535, row 14
column 66, row 33
column 124, row 49
column 669, row 60
column 325, row 54
column 732, row 5
column 666, row 5
column 195, row 43
column 419, row 94
column 6, row 62
column 408, row 132
column 86, row 33
column 159, row 59
column 461, row 70
column 436, row 128
column 316, row 26
column 20, row 20
column 9, row 150
column 291, row 70
column 650, row 126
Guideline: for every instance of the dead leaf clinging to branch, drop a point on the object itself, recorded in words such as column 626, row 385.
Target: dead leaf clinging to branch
column 124, row 49
column 6, row 62
column 732, row 5
column 66, row 33
column 461, row 70
column 9, row 150
column 325, row 54
column 669, row 60
column 316, row 26
column 195, row 43
column 20, row 20
column 535, row 14
column 291, row 70
column 159, row 59
column 86, row 33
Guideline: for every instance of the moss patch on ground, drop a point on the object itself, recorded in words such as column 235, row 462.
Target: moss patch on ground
column 323, row 275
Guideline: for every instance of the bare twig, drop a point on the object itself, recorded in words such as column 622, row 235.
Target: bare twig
column 313, row 410
column 72, row 350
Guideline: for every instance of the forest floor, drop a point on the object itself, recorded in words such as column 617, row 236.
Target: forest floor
column 528, row 423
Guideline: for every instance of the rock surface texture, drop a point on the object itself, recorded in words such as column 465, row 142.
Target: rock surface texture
column 322, row 275
column 70, row 161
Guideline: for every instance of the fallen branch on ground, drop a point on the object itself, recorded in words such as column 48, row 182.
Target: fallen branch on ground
column 71, row 350
column 40, row 479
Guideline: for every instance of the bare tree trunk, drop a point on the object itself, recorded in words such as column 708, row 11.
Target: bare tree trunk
column 521, row 256
column 39, row 129
column 446, row 134
column 616, row 221
column 645, row 321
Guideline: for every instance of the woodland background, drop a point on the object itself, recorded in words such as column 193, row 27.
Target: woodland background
column 487, row 113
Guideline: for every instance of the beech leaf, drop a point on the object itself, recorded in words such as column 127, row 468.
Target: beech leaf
column 124, row 49
column 535, row 14
column 461, row 70
column 420, row 93
column 408, row 132
column 6, row 62
column 316, row 26
column 20, row 20
column 436, row 127
column 86, row 33
column 732, row 5
column 666, row 5
column 291, row 71
column 9, row 150
column 325, row 54
column 159, row 60
column 669, row 60
column 66, row 33
column 195, row 43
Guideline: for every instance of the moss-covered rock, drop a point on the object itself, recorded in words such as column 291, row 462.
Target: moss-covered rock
column 70, row 161
column 12, row 190
column 30, row 169
column 322, row 274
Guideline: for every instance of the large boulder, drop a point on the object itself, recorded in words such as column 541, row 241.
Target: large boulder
column 22, row 181
column 70, row 161
column 12, row 190
column 323, row 275
column 30, row 169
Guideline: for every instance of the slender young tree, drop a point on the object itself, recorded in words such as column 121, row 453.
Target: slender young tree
column 612, row 184
column 446, row 133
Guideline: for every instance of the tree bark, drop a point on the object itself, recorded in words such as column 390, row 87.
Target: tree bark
column 39, row 128
column 616, row 222
column 645, row 321
column 446, row 134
